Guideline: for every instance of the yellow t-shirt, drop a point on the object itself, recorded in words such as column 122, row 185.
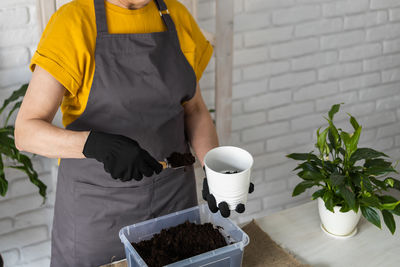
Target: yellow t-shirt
column 66, row 49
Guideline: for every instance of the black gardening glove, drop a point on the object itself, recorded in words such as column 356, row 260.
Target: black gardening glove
column 223, row 207
column 122, row 157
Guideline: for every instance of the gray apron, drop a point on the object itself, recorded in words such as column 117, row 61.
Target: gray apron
column 139, row 84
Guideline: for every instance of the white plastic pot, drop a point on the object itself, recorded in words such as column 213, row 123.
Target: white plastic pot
column 341, row 224
column 232, row 188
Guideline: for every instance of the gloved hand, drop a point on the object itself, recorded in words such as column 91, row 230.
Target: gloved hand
column 122, row 157
column 223, row 207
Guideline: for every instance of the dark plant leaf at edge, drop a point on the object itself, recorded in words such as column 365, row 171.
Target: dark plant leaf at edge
column 334, row 109
column 371, row 215
column 301, row 187
column 389, row 221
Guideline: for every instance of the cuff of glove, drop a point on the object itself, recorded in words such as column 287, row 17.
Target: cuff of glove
column 93, row 142
column 89, row 149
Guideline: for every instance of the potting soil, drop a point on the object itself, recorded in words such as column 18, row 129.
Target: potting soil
column 177, row 159
column 180, row 242
column 229, row 172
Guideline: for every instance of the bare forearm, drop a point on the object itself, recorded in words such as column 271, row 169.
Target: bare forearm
column 201, row 132
column 33, row 129
column 42, row 138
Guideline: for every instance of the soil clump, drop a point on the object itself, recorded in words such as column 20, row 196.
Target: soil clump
column 177, row 159
column 180, row 242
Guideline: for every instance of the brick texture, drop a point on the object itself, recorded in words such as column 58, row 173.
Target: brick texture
column 25, row 221
column 310, row 54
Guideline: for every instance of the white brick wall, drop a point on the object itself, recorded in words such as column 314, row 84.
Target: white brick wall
column 292, row 60
column 25, row 223
column 309, row 54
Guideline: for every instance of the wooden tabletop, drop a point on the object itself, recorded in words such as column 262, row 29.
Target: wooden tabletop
column 298, row 230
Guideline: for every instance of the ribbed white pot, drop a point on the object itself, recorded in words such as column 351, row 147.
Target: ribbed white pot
column 338, row 223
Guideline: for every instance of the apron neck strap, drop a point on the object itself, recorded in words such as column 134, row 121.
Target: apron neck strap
column 101, row 19
column 164, row 13
column 161, row 5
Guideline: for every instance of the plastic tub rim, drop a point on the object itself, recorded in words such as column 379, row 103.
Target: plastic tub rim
column 241, row 244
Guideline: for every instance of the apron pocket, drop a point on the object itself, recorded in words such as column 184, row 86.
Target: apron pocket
column 100, row 212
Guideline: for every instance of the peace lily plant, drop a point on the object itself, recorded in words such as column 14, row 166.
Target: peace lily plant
column 348, row 178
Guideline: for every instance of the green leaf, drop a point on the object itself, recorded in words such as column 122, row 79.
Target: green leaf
column 396, row 211
column 318, row 193
column 3, row 181
column 354, row 140
column 387, row 199
column 353, row 122
column 8, row 149
column 311, row 175
column 337, row 161
column 389, row 221
column 321, row 141
column 389, row 182
column 302, row 156
column 346, row 140
column 334, row 109
column 332, row 140
column 333, row 135
column 390, row 206
column 301, row 187
column 15, row 107
column 371, row 215
column 367, row 184
column 28, row 169
column 371, row 201
column 379, row 170
column 328, row 200
column 377, row 162
column 33, row 177
column 345, row 208
column 329, row 166
column 337, row 179
column 356, row 179
column 14, row 96
column 392, row 182
column 366, row 153
column 342, row 151
column 3, row 186
column 26, row 161
column 308, row 165
column 348, row 196
column 378, row 182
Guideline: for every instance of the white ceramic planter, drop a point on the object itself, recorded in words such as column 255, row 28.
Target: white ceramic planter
column 338, row 223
